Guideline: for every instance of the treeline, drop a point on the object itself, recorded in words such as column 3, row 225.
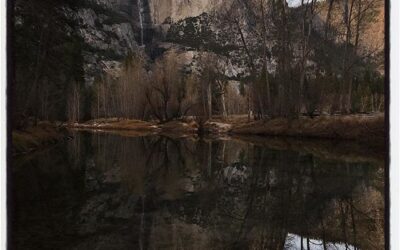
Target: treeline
column 48, row 63
column 319, row 52
column 166, row 91
column 310, row 60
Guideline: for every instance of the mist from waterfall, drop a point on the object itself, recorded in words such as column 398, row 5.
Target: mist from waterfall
column 140, row 7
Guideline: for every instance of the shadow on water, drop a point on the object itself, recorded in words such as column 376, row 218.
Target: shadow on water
column 105, row 191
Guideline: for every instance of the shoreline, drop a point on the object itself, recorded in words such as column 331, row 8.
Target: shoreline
column 31, row 139
column 353, row 128
column 362, row 128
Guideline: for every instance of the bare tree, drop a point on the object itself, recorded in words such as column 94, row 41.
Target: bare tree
column 168, row 94
column 305, row 50
column 74, row 106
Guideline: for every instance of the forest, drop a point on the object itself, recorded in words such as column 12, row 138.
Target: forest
column 317, row 58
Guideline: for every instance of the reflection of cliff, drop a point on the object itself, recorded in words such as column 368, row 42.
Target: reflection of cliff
column 157, row 192
column 224, row 194
column 44, row 192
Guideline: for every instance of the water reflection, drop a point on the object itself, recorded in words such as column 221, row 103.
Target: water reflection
column 294, row 242
column 103, row 191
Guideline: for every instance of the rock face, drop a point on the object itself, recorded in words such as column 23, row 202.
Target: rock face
column 106, row 42
column 108, row 34
column 176, row 10
column 111, row 29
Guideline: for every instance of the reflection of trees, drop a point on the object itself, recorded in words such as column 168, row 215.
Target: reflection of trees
column 45, row 189
column 242, row 196
column 159, row 192
column 289, row 192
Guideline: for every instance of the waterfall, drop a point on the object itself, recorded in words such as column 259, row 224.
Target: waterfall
column 140, row 7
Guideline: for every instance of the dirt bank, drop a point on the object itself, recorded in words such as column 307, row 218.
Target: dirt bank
column 369, row 128
column 115, row 124
column 138, row 127
column 366, row 128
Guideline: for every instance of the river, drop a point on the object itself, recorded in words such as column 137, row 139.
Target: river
column 113, row 191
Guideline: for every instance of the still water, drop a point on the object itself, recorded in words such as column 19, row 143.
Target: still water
column 108, row 191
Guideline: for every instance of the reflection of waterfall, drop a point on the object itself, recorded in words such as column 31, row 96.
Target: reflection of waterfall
column 295, row 242
column 141, row 17
column 141, row 235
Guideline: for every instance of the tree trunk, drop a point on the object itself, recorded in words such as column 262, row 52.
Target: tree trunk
column 265, row 68
column 347, row 72
column 209, row 100
column 328, row 18
column 301, row 91
column 248, row 107
column 349, row 96
column 223, row 105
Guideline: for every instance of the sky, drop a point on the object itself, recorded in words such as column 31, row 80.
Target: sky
column 295, row 3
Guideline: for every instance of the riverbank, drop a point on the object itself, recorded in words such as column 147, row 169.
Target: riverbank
column 115, row 124
column 36, row 137
column 365, row 128
column 138, row 126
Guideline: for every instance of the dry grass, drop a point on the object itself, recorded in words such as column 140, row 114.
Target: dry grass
column 358, row 127
column 116, row 124
column 120, row 132
column 174, row 127
column 235, row 120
